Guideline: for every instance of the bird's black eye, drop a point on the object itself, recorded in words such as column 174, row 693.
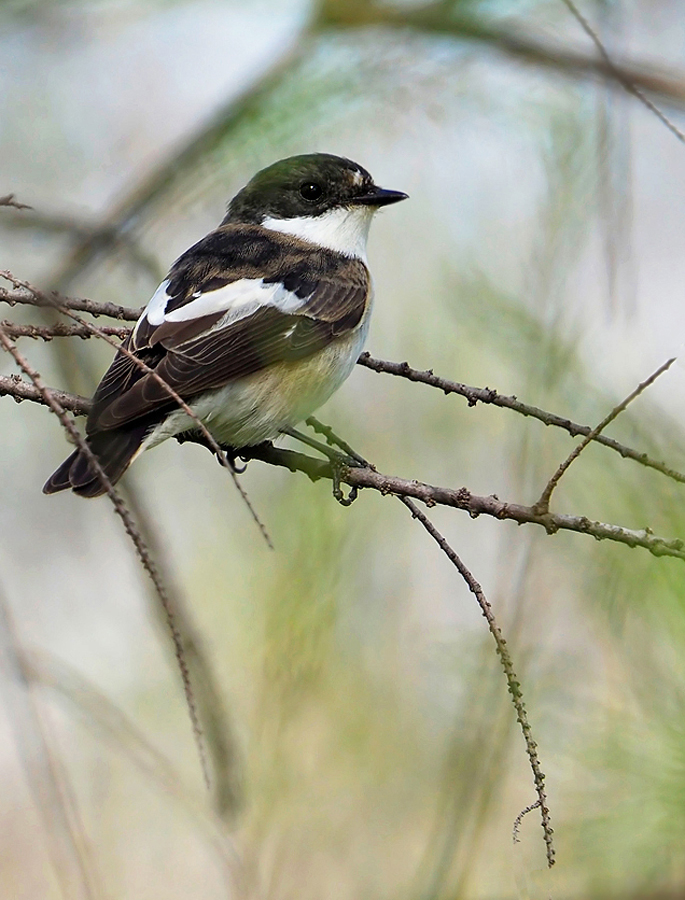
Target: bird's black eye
column 311, row 191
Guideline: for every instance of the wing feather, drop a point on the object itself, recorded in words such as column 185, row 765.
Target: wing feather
column 314, row 298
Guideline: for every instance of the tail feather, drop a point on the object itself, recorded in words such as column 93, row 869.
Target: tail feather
column 59, row 480
column 114, row 450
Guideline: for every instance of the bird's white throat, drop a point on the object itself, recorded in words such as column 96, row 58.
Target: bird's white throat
column 344, row 230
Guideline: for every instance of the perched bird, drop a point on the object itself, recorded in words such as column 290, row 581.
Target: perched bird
column 255, row 326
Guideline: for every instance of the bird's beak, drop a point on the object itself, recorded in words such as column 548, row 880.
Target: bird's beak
column 380, row 197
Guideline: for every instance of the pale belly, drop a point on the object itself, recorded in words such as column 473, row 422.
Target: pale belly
column 258, row 408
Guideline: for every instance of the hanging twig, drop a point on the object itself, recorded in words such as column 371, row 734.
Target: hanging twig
column 505, row 658
column 131, row 529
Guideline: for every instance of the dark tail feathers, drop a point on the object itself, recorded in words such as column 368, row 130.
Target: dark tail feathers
column 114, row 451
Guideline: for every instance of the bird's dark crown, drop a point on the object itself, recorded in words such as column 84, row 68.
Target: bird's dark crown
column 307, row 185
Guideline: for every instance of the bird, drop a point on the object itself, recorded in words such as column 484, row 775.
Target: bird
column 255, row 326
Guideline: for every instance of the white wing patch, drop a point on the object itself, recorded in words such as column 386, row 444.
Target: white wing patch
column 155, row 308
column 238, row 299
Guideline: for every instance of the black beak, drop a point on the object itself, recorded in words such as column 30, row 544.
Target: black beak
column 380, row 197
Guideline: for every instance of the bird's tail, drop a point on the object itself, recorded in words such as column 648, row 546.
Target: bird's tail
column 114, row 450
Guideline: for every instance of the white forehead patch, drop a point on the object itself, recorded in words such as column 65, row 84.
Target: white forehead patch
column 357, row 179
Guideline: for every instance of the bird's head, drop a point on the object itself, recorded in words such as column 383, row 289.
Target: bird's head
column 324, row 199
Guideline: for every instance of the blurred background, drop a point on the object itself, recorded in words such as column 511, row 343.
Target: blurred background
column 360, row 735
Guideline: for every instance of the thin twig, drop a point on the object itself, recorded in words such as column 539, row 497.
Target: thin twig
column 505, row 658
column 622, row 77
column 131, row 529
column 176, row 397
column 476, row 395
column 519, row 818
column 543, row 503
column 8, row 200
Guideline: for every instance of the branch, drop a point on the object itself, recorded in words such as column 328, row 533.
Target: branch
column 431, row 495
column 48, row 332
column 476, row 395
column 29, row 297
column 462, row 498
column 8, row 200
column 15, row 386
column 333, row 440
column 473, row 395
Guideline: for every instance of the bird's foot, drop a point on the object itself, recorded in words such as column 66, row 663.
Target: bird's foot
column 339, row 461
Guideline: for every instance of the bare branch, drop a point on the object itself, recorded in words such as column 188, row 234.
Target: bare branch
column 28, row 297
column 543, row 503
column 472, row 394
column 513, row 684
column 15, row 386
column 431, row 495
column 476, row 395
column 505, row 658
column 8, row 200
column 148, row 564
column 462, row 498
column 622, row 77
column 48, row 332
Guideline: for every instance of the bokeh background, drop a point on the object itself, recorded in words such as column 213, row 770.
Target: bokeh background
column 346, row 681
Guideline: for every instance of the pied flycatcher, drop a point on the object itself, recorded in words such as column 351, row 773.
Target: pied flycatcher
column 255, row 326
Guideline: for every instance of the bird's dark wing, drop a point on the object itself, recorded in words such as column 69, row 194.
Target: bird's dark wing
column 231, row 306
